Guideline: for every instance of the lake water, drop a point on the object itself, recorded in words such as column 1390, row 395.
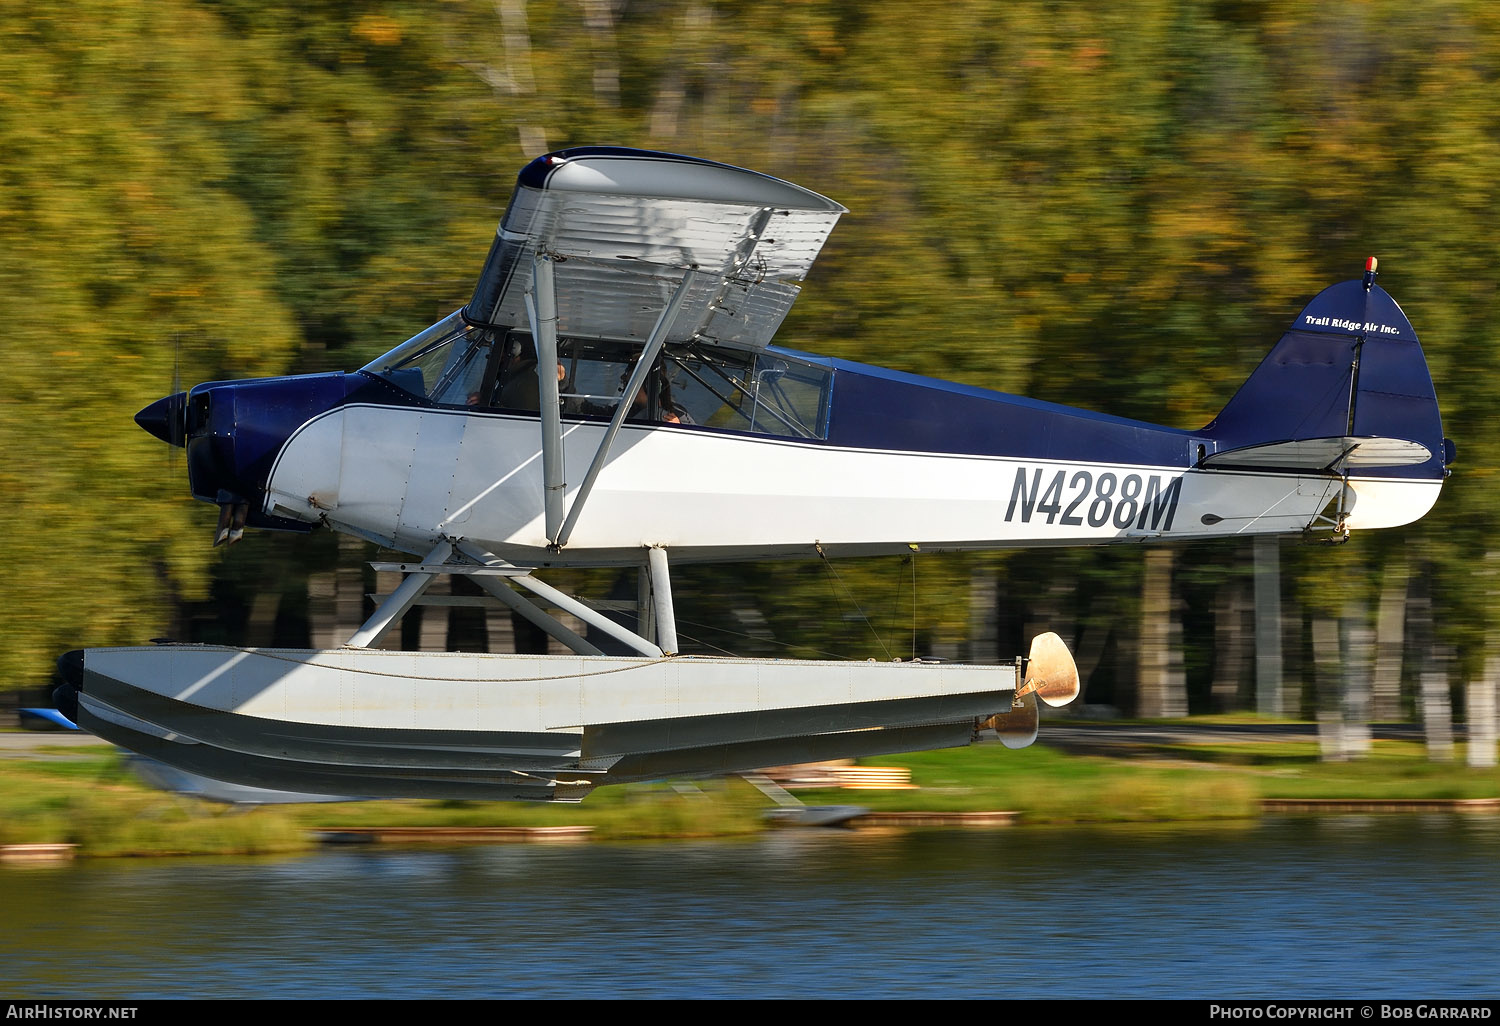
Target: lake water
column 1398, row 906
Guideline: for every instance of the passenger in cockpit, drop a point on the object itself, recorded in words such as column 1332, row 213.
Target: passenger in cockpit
column 666, row 410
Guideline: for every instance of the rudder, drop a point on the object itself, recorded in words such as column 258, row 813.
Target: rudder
column 1352, row 331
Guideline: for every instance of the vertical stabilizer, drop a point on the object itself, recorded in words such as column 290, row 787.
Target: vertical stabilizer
column 1350, row 365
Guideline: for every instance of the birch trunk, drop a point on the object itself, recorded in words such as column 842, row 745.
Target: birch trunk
column 518, row 79
column 1435, row 694
column 322, row 613
column 1482, row 699
column 1230, row 649
column 1437, row 714
column 599, row 18
column 983, row 643
column 1292, row 630
column 1390, row 633
column 1484, row 695
column 1329, row 678
column 1160, row 689
column 433, row 632
column 1269, row 668
column 1358, row 653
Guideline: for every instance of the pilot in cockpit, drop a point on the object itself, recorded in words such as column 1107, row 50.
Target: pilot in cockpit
column 520, row 390
column 666, row 410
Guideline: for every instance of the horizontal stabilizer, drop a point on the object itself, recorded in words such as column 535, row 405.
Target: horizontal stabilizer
column 1321, row 455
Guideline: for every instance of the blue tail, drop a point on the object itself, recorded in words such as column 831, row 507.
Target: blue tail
column 1350, row 367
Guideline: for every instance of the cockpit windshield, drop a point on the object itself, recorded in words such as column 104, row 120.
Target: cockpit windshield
column 457, row 364
column 447, row 363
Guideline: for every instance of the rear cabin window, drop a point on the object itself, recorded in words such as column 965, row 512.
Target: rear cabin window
column 763, row 393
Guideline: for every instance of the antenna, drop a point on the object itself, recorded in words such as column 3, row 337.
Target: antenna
column 1371, row 264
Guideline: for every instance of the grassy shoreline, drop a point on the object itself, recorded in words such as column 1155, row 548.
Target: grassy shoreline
column 86, row 796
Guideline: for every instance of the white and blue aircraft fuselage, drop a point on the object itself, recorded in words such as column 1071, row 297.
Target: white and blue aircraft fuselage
column 611, row 396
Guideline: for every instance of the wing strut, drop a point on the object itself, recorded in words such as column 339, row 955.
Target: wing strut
column 637, row 381
column 541, row 308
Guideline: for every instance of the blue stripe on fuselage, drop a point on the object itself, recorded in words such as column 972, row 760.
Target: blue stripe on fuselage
column 875, row 408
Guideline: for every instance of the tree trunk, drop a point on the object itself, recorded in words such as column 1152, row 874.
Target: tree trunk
column 322, row 613
column 665, row 122
column 516, row 36
column 1390, row 632
column 599, row 17
column 1484, row 695
column 1329, row 677
column 1358, row 652
column 349, row 588
column 1269, row 669
column 433, row 636
column 1231, row 653
column 1093, row 636
column 1051, row 613
column 1160, row 689
column 1435, row 695
column 1293, row 642
column 1482, row 699
column 261, row 630
column 1437, row 713
column 983, row 642
column 1177, row 696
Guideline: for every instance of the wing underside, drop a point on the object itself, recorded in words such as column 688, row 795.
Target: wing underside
column 623, row 229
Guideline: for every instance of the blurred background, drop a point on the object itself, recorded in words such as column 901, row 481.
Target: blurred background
column 1114, row 206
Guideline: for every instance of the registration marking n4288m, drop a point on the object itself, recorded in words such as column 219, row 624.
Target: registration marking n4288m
column 1102, row 499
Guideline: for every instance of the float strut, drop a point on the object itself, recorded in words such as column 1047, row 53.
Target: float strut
column 661, row 592
column 395, row 606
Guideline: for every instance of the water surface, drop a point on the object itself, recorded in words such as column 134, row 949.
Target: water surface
column 1353, row 906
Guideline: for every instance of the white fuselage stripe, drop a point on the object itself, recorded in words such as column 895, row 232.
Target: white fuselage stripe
column 409, row 475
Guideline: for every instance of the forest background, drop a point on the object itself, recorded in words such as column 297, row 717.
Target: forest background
column 1114, row 206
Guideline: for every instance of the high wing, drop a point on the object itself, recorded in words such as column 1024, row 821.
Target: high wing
column 623, row 228
column 632, row 245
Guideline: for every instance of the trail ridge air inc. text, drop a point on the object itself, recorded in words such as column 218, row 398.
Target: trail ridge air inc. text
column 1369, row 328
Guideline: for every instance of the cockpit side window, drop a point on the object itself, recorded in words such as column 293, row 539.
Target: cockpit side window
column 762, row 392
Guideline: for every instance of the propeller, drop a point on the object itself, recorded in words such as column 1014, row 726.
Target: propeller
column 167, row 419
column 1052, row 676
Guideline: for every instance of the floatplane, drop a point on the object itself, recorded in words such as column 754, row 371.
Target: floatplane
column 611, row 396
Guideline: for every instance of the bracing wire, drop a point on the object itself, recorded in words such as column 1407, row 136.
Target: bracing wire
column 828, row 563
column 896, row 592
column 893, row 621
column 914, row 605
column 741, row 634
